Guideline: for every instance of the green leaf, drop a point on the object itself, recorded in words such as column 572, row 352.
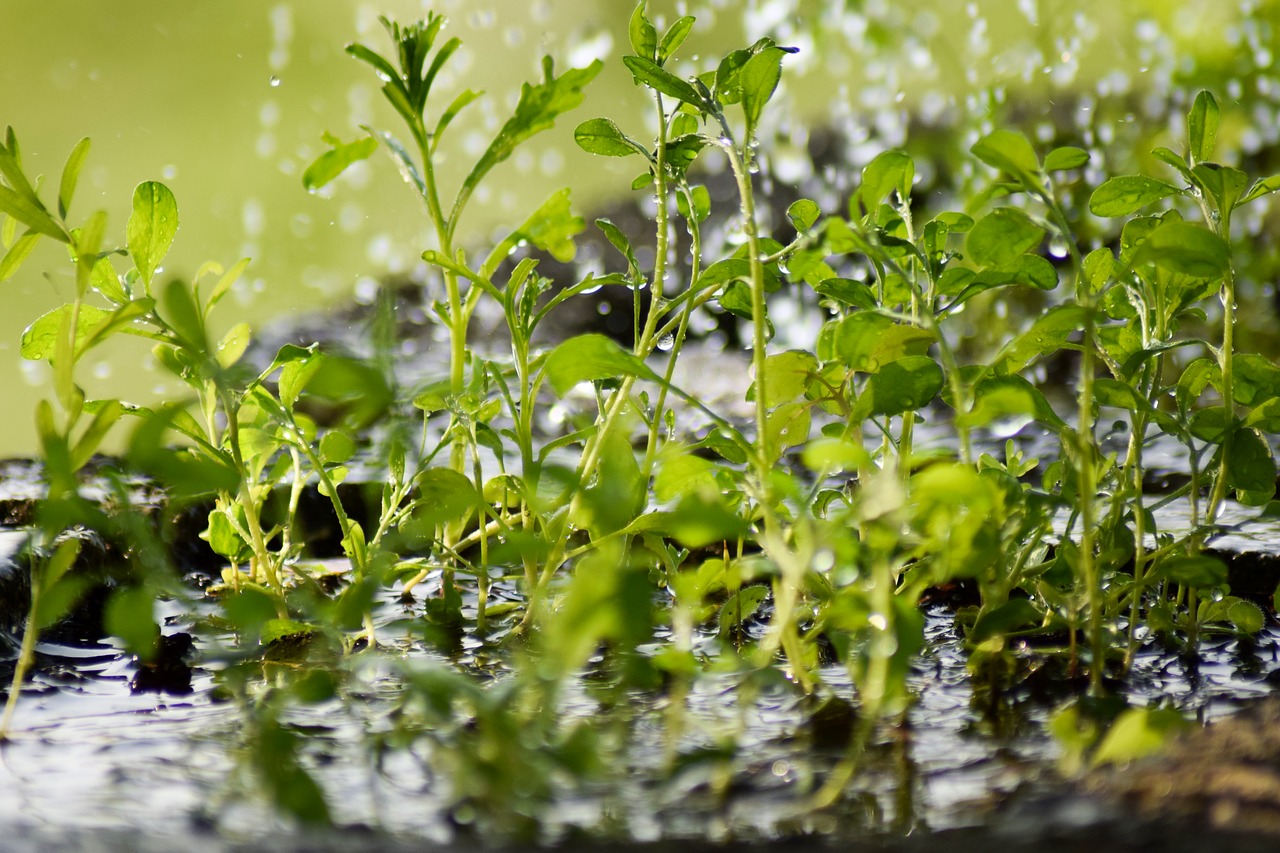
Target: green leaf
column 740, row 607
column 1008, row 151
column 41, row 338
column 676, row 34
column 31, row 214
column 1013, row 615
column 643, row 36
column 1062, row 159
column 1181, row 247
column 701, row 519
column 17, row 253
column 335, row 161
column 183, row 315
column 444, row 496
column 553, row 226
column 402, row 159
column 1222, row 183
column 91, row 439
column 151, row 228
column 1164, row 155
column 71, row 175
column 619, row 493
column 683, row 474
column 803, row 213
column 1246, row 616
column 1137, row 733
column 826, row 455
column 1026, row 270
column 620, row 242
column 386, row 72
column 1197, row 571
column 787, row 426
column 336, row 447
column 888, row 171
column 904, row 385
column 1010, row 396
column 649, row 73
column 1098, row 268
column 701, row 204
column 11, row 168
column 1048, row 334
column 536, row 111
column 601, row 136
column 1001, row 236
column 1250, row 465
column 866, row 341
column 1202, row 128
column 456, row 106
column 224, row 284
column 1255, row 379
column 1260, row 188
column 1128, row 194
column 130, row 616
column 759, row 80
column 589, row 358
column 277, row 629
column 786, row 375
column 56, row 601
column 848, row 292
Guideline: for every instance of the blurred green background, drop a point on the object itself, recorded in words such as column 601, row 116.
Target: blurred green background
column 225, row 101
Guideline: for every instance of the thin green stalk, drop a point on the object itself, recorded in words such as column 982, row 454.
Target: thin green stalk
column 26, row 656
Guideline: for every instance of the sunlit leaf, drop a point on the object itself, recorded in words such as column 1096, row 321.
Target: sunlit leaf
column 1062, row 159
column 591, row 357
column 1008, row 151
column 71, row 176
column 601, row 136
column 1202, row 128
column 904, row 385
column 1137, row 733
column 336, row 160
column 649, row 73
column 151, row 227
column 1127, row 194
column 1001, row 236
column 1182, row 247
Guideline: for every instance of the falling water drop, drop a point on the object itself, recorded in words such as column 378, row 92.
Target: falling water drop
column 275, row 81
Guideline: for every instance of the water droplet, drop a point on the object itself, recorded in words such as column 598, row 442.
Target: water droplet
column 1058, row 247
column 275, row 81
column 666, row 342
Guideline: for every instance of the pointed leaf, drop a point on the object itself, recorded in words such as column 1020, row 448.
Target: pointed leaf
column 1062, row 159
column 676, row 34
column 335, row 161
column 17, row 253
column 536, row 111
column 31, row 214
column 1182, row 247
column 1202, row 128
column 1128, row 194
column 649, row 73
column 151, row 228
column 1008, row 151
column 589, row 358
column 1001, row 236
column 643, row 36
column 70, row 175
